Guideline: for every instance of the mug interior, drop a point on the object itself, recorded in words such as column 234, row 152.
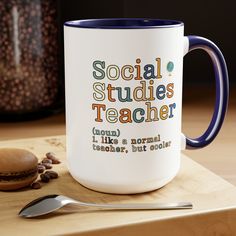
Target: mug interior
column 124, row 23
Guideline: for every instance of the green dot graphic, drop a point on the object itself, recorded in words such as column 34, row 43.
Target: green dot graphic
column 170, row 66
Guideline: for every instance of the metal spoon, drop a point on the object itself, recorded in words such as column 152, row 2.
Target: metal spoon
column 50, row 203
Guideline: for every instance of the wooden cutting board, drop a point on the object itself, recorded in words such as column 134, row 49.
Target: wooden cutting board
column 214, row 201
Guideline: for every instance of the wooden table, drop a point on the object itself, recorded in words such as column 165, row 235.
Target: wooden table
column 198, row 103
column 214, row 199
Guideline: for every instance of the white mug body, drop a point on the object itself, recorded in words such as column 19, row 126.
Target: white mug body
column 123, row 106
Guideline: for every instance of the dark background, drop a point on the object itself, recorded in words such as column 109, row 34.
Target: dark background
column 211, row 19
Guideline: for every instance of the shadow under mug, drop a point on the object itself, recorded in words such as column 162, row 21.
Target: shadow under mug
column 124, row 101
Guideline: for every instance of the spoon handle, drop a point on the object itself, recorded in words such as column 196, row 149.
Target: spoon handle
column 140, row 206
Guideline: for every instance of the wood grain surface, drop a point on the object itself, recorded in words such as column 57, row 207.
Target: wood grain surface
column 214, row 201
column 198, row 104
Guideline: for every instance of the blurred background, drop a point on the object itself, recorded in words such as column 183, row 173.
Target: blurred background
column 208, row 18
column 32, row 50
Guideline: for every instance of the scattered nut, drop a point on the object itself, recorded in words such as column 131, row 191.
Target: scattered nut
column 45, row 178
column 41, row 168
column 56, row 161
column 47, row 165
column 52, row 156
column 36, row 185
column 52, row 174
column 46, row 160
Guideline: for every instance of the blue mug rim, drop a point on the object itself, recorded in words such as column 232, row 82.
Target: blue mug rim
column 124, row 23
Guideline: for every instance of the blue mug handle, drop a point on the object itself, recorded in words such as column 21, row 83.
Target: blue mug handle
column 222, row 90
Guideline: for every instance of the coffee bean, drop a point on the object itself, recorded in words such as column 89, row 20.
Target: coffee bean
column 52, row 156
column 47, row 165
column 36, row 185
column 41, row 168
column 52, row 174
column 45, row 178
column 56, row 161
column 46, row 160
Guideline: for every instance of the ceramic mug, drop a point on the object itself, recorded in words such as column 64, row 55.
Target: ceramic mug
column 124, row 101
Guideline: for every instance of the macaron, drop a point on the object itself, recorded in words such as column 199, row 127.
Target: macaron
column 18, row 168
